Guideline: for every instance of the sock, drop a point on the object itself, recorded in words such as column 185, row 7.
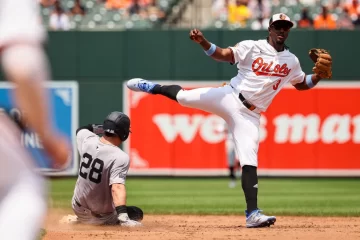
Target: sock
column 249, row 179
column 169, row 91
column 232, row 175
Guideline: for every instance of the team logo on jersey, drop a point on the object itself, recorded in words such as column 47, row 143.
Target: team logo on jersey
column 262, row 68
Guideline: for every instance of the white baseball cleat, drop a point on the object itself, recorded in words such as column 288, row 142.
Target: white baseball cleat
column 257, row 220
column 140, row 85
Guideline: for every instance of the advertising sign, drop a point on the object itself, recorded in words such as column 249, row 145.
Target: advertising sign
column 65, row 107
column 303, row 133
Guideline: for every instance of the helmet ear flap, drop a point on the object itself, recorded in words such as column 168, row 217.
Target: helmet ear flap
column 123, row 133
column 124, row 136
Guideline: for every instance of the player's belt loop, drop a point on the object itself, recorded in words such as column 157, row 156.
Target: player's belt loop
column 245, row 102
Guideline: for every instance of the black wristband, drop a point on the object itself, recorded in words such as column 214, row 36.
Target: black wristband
column 121, row 209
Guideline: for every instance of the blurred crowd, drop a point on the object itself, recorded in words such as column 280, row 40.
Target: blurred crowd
column 254, row 14
column 315, row 14
column 59, row 18
column 143, row 8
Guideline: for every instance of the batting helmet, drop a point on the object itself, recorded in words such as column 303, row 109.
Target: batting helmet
column 117, row 123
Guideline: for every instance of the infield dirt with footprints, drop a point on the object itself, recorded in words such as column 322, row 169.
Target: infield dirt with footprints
column 176, row 227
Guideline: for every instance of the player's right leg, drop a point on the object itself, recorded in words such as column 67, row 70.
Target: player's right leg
column 212, row 100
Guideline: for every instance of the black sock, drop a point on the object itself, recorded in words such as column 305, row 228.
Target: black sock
column 232, row 175
column 249, row 179
column 169, row 91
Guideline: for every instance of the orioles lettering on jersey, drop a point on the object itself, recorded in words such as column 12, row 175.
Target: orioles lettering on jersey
column 260, row 67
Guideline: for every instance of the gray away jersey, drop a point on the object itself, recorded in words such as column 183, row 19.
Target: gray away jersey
column 101, row 165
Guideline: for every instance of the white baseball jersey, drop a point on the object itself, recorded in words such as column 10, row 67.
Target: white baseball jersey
column 20, row 21
column 263, row 71
column 101, row 166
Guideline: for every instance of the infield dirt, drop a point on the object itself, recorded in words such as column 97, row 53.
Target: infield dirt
column 188, row 227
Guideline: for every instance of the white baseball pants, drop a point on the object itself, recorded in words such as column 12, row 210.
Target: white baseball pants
column 22, row 191
column 243, row 123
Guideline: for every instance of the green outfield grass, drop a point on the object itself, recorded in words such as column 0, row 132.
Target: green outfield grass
column 316, row 197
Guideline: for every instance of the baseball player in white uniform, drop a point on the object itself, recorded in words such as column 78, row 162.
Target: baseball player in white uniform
column 22, row 190
column 100, row 194
column 264, row 67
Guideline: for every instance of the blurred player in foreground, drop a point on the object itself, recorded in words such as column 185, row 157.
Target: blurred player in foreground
column 100, row 193
column 22, row 190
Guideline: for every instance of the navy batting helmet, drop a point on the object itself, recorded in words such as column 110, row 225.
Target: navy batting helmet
column 117, row 123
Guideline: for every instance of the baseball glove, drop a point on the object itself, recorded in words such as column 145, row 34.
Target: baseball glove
column 135, row 213
column 323, row 62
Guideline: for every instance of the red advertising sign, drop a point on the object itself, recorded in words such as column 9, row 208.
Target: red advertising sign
column 303, row 133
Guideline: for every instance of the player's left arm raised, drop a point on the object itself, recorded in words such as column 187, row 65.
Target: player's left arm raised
column 322, row 69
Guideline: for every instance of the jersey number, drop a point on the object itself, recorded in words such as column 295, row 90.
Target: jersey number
column 96, row 168
column 276, row 85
